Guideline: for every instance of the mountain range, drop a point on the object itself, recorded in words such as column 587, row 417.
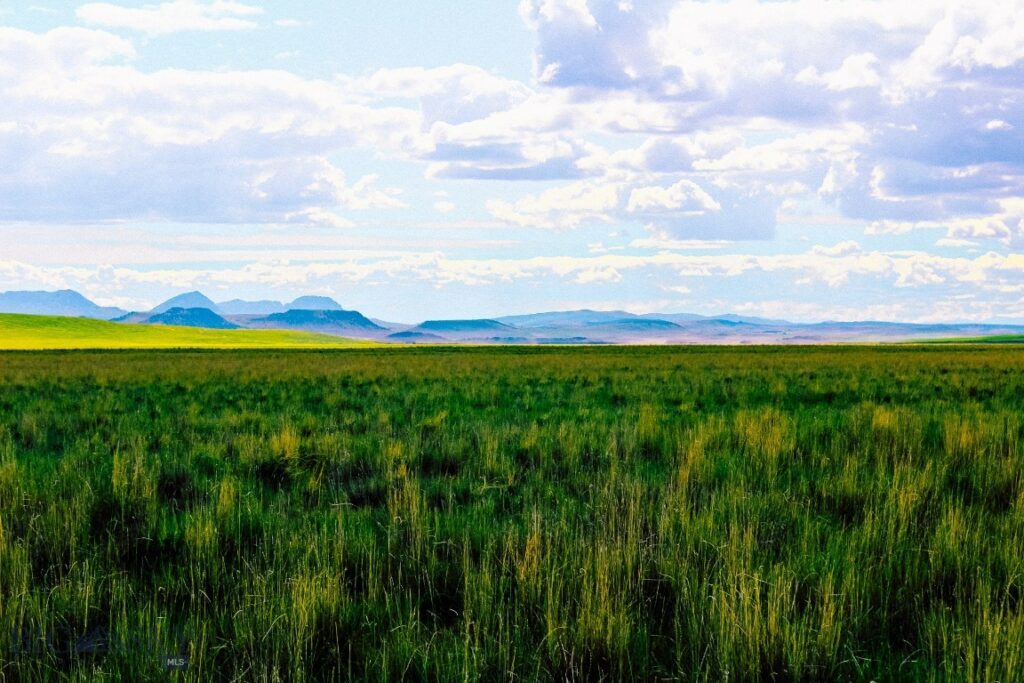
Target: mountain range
column 325, row 315
column 65, row 302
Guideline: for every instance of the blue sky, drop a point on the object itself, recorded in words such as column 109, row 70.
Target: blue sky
column 797, row 159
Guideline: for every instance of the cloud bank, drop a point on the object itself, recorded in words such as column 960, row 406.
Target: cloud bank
column 691, row 122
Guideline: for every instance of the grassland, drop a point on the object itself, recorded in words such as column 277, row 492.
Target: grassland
column 991, row 339
column 28, row 332
column 493, row 514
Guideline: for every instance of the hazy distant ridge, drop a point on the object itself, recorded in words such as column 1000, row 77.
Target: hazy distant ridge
column 325, row 315
column 66, row 302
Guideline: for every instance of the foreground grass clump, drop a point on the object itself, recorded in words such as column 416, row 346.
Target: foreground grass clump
column 553, row 514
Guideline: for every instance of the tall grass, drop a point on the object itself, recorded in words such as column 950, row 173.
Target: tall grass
column 552, row 514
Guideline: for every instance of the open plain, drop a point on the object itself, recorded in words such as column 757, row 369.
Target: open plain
column 813, row 513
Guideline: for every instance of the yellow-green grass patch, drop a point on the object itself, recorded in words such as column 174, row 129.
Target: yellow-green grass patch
column 45, row 332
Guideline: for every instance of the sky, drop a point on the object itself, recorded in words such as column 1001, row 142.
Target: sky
column 795, row 159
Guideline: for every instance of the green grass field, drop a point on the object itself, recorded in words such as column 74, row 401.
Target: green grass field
column 992, row 339
column 34, row 332
column 697, row 514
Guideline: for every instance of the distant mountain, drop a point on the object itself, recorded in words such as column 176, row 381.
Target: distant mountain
column 674, row 317
column 318, row 320
column 389, row 324
column 751, row 320
column 717, row 324
column 131, row 317
column 242, row 307
column 314, row 303
column 563, row 318
column 324, row 315
column 637, row 324
column 65, row 302
column 412, row 337
column 730, row 317
column 568, row 340
column 191, row 317
column 186, row 300
column 463, row 326
column 587, row 317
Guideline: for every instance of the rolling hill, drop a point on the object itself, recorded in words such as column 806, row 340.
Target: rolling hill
column 32, row 332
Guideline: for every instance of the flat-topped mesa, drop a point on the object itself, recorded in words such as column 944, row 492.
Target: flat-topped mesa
column 314, row 303
column 312, row 319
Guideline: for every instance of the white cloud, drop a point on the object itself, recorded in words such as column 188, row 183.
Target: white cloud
column 535, row 11
column 840, row 249
column 695, row 121
column 598, row 275
column 451, row 94
column 1005, row 225
column 94, row 139
column 562, row 207
column 856, row 71
column 678, row 289
column 683, row 210
column 363, row 194
column 998, row 124
column 25, row 55
column 318, row 216
column 928, row 87
column 685, row 197
column 991, row 274
column 172, row 17
column 989, row 38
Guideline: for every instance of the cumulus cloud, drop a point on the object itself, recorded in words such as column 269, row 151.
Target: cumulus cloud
column 451, row 94
column 85, row 136
column 172, row 17
column 860, row 104
column 561, row 207
column 1004, row 225
column 477, row 125
column 686, row 197
column 899, row 113
column 856, row 71
column 683, row 210
column 696, row 123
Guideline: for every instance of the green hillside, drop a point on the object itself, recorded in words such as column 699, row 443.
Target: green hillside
column 29, row 332
column 992, row 339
